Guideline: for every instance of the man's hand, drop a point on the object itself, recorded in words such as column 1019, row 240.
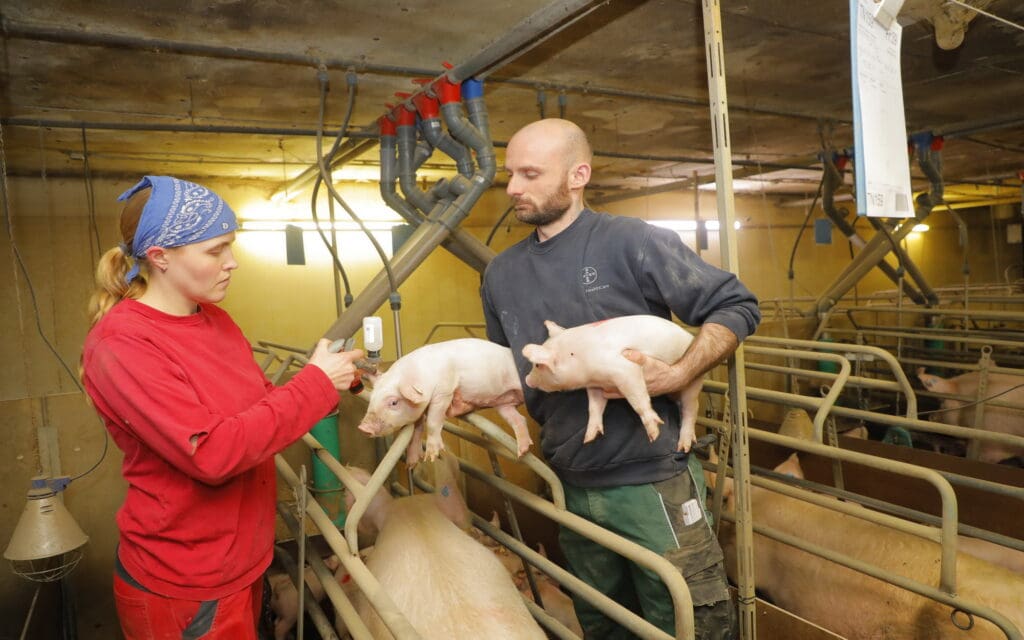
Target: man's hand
column 660, row 377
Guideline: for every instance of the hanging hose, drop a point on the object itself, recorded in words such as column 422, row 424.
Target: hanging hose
column 796, row 243
column 330, row 247
column 494, row 229
column 325, row 176
column 329, row 157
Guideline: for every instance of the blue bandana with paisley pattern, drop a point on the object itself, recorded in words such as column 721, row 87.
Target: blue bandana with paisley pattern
column 177, row 213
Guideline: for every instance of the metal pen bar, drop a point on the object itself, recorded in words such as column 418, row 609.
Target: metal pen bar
column 954, row 478
column 904, row 513
column 468, row 326
column 977, row 314
column 342, row 604
column 833, row 393
column 996, row 618
column 311, row 606
column 384, row 605
column 807, row 402
column 681, row 601
column 881, row 354
column 948, row 539
column 852, row 381
column 932, row 334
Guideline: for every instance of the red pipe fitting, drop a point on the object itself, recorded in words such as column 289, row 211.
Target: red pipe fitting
column 387, row 125
column 405, row 116
column 445, row 89
column 426, row 105
column 937, row 143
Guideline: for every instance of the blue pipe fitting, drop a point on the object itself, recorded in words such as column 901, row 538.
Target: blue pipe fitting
column 472, row 89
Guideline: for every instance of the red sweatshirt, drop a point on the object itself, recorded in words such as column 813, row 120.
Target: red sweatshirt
column 199, row 424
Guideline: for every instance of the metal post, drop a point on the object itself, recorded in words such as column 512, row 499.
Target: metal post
column 719, row 105
column 984, row 363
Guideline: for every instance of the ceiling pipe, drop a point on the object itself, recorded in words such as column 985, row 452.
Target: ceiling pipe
column 461, row 244
column 430, row 126
column 880, row 245
column 349, row 150
column 388, row 175
column 412, row 154
column 750, row 168
column 527, row 34
column 475, row 133
column 442, row 222
column 833, row 178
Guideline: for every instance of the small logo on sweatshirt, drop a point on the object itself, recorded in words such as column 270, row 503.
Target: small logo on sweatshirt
column 588, row 275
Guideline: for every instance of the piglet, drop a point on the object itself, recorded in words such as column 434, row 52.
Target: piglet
column 446, row 584
column 420, row 387
column 590, row 356
column 284, row 598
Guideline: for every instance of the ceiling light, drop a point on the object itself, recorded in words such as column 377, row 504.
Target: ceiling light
column 309, row 225
column 689, row 225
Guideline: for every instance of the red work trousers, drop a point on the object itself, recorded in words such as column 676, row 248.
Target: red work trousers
column 147, row 616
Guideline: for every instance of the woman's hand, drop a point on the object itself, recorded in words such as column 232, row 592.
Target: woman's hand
column 339, row 367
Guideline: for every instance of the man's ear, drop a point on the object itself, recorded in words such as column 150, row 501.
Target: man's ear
column 579, row 176
column 157, row 256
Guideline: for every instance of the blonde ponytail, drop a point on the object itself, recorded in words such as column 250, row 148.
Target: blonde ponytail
column 113, row 266
column 111, row 287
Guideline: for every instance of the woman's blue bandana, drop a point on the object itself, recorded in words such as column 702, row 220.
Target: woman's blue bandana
column 177, row 213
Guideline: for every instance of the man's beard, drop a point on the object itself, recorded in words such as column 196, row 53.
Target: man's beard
column 551, row 209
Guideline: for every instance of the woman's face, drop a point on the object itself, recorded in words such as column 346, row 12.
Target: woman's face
column 201, row 271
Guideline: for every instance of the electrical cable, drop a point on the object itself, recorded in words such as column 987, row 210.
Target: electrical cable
column 8, row 222
column 90, row 198
column 330, row 247
column 325, row 175
column 810, row 210
column 316, row 191
column 494, row 229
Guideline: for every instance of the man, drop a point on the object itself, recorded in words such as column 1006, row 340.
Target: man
column 580, row 267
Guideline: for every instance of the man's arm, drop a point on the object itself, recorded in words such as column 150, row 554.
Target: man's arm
column 714, row 343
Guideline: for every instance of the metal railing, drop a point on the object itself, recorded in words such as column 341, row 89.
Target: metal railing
column 496, row 442
column 945, row 535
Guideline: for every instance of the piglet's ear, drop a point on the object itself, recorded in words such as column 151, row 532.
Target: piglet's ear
column 537, row 354
column 412, row 393
column 553, row 329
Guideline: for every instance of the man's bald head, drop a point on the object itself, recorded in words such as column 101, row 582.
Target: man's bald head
column 548, row 163
column 558, row 137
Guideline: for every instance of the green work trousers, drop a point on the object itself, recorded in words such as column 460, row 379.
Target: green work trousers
column 669, row 518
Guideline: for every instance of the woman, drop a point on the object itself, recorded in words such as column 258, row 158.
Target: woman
column 178, row 388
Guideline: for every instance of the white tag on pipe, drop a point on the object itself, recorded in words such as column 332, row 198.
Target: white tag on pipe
column 692, row 511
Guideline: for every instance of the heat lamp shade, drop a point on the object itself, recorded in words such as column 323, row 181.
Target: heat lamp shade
column 45, row 529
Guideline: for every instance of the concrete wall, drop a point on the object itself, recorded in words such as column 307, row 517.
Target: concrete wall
column 294, row 305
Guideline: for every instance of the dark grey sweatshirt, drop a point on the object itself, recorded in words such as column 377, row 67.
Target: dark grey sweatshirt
column 601, row 267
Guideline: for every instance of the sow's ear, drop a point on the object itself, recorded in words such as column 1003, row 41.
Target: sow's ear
column 537, row 355
column 791, row 467
column 935, row 383
column 553, row 329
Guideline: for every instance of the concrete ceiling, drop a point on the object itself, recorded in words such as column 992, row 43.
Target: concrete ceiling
column 156, row 84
